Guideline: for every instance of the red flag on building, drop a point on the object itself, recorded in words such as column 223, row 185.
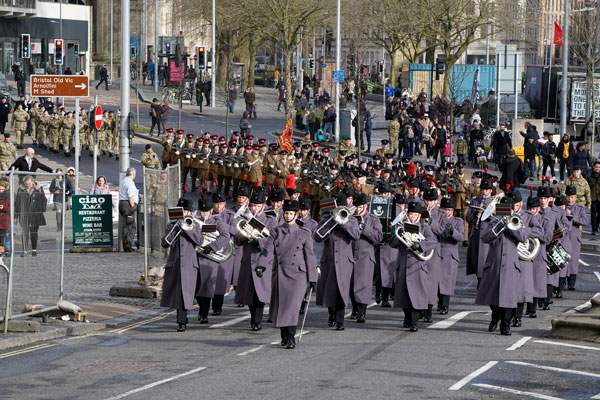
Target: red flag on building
column 558, row 35
column 285, row 139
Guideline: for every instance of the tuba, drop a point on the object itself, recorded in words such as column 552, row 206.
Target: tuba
column 409, row 238
column 248, row 226
column 529, row 250
column 339, row 216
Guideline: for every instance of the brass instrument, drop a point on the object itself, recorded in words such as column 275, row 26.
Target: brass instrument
column 410, row 238
column 219, row 256
column 186, row 224
column 339, row 216
column 491, row 208
column 248, row 226
column 529, row 250
column 514, row 222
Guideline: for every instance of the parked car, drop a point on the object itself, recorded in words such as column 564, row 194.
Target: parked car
column 4, row 87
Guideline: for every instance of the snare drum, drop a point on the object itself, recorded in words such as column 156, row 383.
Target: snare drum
column 558, row 258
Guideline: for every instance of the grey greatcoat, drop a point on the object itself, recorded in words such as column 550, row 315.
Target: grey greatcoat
column 294, row 267
column 209, row 270
column 248, row 281
column 439, row 219
column 309, row 223
column 238, row 251
column 364, row 258
column 565, row 241
column 412, row 274
column 534, row 223
column 387, row 256
column 547, row 220
column 578, row 219
column 453, row 235
column 181, row 270
column 225, row 270
column 477, row 250
column 337, row 262
column 499, row 285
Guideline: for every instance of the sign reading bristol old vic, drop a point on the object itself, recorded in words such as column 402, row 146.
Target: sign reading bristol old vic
column 59, row 85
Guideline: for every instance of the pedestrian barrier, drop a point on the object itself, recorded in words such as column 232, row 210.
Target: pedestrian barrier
column 32, row 216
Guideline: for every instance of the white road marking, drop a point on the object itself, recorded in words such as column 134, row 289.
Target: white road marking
column 519, row 343
column 584, row 263
column 580, row 307
column 514, row 391
column 236, row 320
column 472, row 376
column 154, row 384
column 350, row 313
column 577, row 346
column 597, row 274
column 448, row 322
column 590, row 254
column 596, row 396
column 547, row 368
column 262, row 346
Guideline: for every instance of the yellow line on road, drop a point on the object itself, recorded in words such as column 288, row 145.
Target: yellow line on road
column 144, row 322
column 27, row 350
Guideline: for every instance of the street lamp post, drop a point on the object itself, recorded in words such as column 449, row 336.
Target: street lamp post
column 565, row 68
column 156, row 46
column 213, row 75
column 338, row 41
column 125, row 91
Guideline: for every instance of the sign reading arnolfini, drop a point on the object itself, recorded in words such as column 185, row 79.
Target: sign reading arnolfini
column 92, row 220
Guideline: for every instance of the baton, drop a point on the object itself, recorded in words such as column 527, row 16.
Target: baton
column 305, row 314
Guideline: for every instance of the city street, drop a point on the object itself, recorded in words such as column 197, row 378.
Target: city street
column 455, row 357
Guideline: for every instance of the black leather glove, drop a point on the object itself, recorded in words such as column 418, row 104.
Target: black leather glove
column 416, row 247
column 206, row 250
column 312, row 285
column 259, row 271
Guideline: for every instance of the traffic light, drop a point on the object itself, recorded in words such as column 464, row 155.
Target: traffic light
column 58, row 51
column 440, row 66
column 76, row 49
column 201, row 58
column 132, row 52
column 168, row 45
column 311, row 63
column 351, row 64
column 25, row 53
column 381, row 63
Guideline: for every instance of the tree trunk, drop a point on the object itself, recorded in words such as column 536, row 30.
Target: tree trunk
column 392, row 70
column 447, row 74
column 287, row 60
column 252, row 59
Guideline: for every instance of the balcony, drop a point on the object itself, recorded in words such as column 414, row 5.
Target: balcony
column 17, row 8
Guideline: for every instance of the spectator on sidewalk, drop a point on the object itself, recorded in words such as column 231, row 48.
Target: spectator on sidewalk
column 511, row 169
column 100, row 187
column 529, row 157
column 103, row 77
column 565, row 156
column 232, row 98
column 206, row 88
column 30, row 205
column 281, row 89
column 151, row 66
column 5, row 110
column 4, row 217
column 156, row 115
column 20, row 79
column 250, row 99
column 199, row 93
column 329, row 117
column 28, row 163
column 57, row 186
column 128, row 201
column 582, row 159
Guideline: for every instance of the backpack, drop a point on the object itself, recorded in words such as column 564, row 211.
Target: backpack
column 410, row 132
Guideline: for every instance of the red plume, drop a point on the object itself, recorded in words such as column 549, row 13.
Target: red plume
column 277, row 182
column 201, row 192
column 361, row 186
column 508, row 186
column 548, row 178
column 256, row 183
column 345, row 181
column 269, row 187
column 543, row 177
column 411, row 169
column 216, row 182
column 382, row 174
column 185, row 187
column 413, row 190
column 421, row 174
column 571, row 179
column 430, row 179
column 263, row 178
column 558, row 189
column 245, row 176
column 485, row 170
column 405, row 185
column 305, row 190
column 531, row 190
column 338, row 183
column 449, row 189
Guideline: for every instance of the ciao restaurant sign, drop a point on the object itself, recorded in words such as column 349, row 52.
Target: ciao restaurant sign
column 92, row 220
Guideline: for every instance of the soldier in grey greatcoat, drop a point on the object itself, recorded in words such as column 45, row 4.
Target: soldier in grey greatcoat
column 181, row 270
column 578, row 219
column 531, row 220
column 412, row 284
column 499, row 285
column 294, row 267
column 337, row 263
column 209, row 269
column 451, row 237
column 478, row 250
column 559, row 280
column 225, row 270
column 254, row 281
column 305, row 220
column 243, row 197
column 387, row 257
column 438, row 219
column 371, row 234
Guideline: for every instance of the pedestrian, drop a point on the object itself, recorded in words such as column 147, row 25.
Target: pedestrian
column 245, row 124
column 128, row 201
column 101, row 186
column 249, row 99
column 20, row 79
column 156, row 116
column 461, row 148
column 199, row 93
column 103, row 77
column 181, row 270
column 57, row 187
column 582, row 159
column 565, row 153
column 232, row 98
column 412, row 286
column 151, row 67
column 548, row 156
column 594, row 182
column 30, row 205
column 501, row 142
column 281, row 97
column 512, row 171
column 4, row 218
column 329, row 117
column 28, row 163
column 164, row 115
column 206, row 88
column 5, row 111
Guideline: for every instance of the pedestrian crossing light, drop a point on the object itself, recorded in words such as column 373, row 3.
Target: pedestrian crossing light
column 350, row 64
column 76, row 49
column 201, row 58
column 58, row 51
column 25, row 40
column 133, row 52
column 311, row 63
column 381, row 63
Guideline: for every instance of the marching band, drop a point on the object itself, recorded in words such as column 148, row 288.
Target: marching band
column 395, row 226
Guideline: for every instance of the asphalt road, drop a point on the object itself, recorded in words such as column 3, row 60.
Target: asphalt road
column 453, row 358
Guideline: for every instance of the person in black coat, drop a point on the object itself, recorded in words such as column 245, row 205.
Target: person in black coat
column 4, row 112
column 20, row 79
column 30, row 205
column 511, row 169
column 28, row 163
column 103, row 77
column 529, row 154
column 500, row 143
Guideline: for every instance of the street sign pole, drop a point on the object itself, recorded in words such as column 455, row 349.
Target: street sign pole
column 125, row 90
column 338, row 50
column 95, row 163
column 77, row 153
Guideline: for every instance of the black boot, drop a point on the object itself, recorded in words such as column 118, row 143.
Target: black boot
column 571, row 281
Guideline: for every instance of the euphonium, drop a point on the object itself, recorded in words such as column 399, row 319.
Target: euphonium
column 245, row 228
column 409, row 238
column 219, row 256
column 339, row 216
column 186, row 224
column 529, row 250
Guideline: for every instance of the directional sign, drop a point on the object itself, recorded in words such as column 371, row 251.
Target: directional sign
column 59, row 85
column 98, row 117
column 338, row 76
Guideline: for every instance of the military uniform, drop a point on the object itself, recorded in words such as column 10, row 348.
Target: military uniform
column 113, row 138
column 54, row 132
column 34, row 114
column 150, row 160
column 83, row 130
column 102, row 132
column 394, row 131
column 7, row 149
column 68, row 130
column 19, row 122
column 167, row 143
column 584, row 197
column 342, row 147
column 42, row 129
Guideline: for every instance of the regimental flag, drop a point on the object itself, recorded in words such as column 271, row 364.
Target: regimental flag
column 558, row 35
column 285, row 139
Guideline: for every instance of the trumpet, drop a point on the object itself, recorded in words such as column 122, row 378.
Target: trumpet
column 339, row 216
column 186, row 224
column 410, row 238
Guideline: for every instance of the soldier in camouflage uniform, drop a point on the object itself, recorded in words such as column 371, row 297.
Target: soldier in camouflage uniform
column 54, row 132
column 344, row 145
column 34, row 114
column 150, row 158
column 584, row 197
column 7, row 149
column 68, row 132
column 102, row 133
column 394, row 130
column 83, row 128
column 42, row 128
column 112, row 136
column 19, row 122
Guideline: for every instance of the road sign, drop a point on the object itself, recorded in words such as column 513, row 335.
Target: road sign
column 98, row 117
column 338, row 76
column 59, row 85
column 323, row 65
